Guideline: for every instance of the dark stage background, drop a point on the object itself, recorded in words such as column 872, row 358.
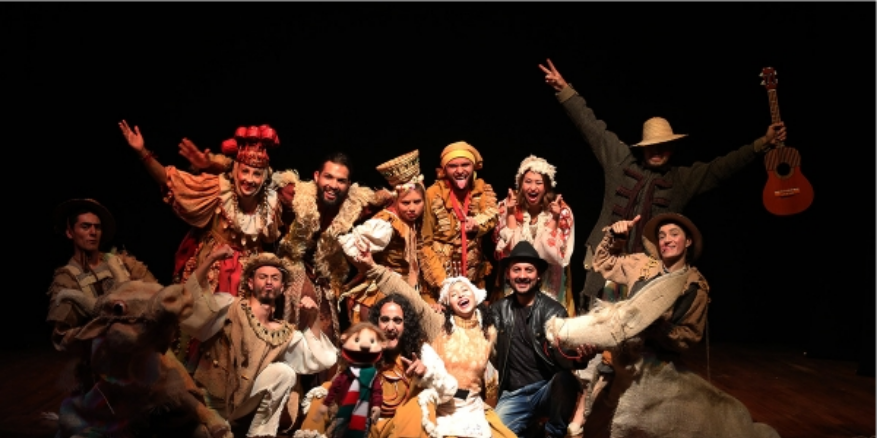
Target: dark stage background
column 378, row 80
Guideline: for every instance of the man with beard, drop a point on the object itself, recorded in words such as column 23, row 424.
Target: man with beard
column 322, row 210
column 251, row 361
column 409, row 364
column 460, row 209
column 639, row 179
column 535, row 377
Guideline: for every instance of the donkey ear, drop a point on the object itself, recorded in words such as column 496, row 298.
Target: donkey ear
column 94, row 328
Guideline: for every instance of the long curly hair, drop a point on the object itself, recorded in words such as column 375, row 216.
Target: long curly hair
column 486, row 319
column 413, row 336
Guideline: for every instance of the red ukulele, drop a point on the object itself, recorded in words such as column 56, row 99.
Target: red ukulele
column 787, row 191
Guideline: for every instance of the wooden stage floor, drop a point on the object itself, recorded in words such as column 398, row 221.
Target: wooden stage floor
column 800, row 397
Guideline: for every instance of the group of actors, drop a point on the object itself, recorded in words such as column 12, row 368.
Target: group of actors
column 406, row 337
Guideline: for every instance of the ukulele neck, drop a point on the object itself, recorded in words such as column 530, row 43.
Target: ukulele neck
column 774, row 109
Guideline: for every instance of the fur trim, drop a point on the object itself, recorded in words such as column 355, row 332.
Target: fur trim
column 426, row 397
column 307, row 434
column 282, row 179
column 318, row 392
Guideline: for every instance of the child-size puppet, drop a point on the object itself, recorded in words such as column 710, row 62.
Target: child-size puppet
column 356, row 390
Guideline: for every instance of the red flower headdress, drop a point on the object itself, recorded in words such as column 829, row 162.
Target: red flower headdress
column 250, row 145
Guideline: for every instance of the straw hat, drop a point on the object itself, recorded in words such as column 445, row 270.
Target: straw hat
column 650, row 233
column 107, row 222
column 657, row 130
column 402, row 169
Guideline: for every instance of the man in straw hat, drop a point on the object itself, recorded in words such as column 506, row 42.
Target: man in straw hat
column 535, row 377
column 89, row 226
column 460, row 209
column 252, row 360
column 672, row 243
column 644, row 184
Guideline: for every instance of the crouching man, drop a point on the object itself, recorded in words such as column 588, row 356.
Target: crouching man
column 250, row 361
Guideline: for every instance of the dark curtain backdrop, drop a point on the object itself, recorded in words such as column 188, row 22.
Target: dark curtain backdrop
column 377, row 80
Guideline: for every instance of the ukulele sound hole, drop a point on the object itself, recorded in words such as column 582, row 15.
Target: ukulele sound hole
column 783, row 169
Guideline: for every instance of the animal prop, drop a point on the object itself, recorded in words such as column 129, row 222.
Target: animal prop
column 140, row 389
column 356, row 391
column 654, row 400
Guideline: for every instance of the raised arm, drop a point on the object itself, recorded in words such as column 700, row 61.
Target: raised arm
column 209, row 309
column 609, row 258
column 389, row 282
column 135, row 140
column 604, row 143
column 204, row 161
column 702, row 177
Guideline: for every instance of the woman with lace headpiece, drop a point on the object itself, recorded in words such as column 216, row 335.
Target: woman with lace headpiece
column 535, row 213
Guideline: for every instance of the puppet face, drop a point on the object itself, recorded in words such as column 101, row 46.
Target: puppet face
column 533, row 188
column 86, row 232
column 458, row 171
column 363, row 344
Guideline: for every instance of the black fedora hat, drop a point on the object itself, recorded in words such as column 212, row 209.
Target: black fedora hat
column 108, row 223
column 525, row 252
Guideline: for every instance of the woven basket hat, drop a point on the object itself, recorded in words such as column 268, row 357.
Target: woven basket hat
column 657, row 130
column 402, row 169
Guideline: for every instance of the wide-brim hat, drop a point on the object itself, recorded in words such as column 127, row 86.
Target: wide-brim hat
column 657, row 130
column 107, row 221
column 525, row 252
column 650, row 233
column 257, row 261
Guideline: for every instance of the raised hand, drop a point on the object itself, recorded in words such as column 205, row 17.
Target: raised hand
column 200, row 160
column 471, row 225
column 511, row 202
column 364, row 261
column 221, row 252
column 622, row 228
column 414, row 366
column 134, row 138
column 776, row 133
column 555, row 206
column 553, row 77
